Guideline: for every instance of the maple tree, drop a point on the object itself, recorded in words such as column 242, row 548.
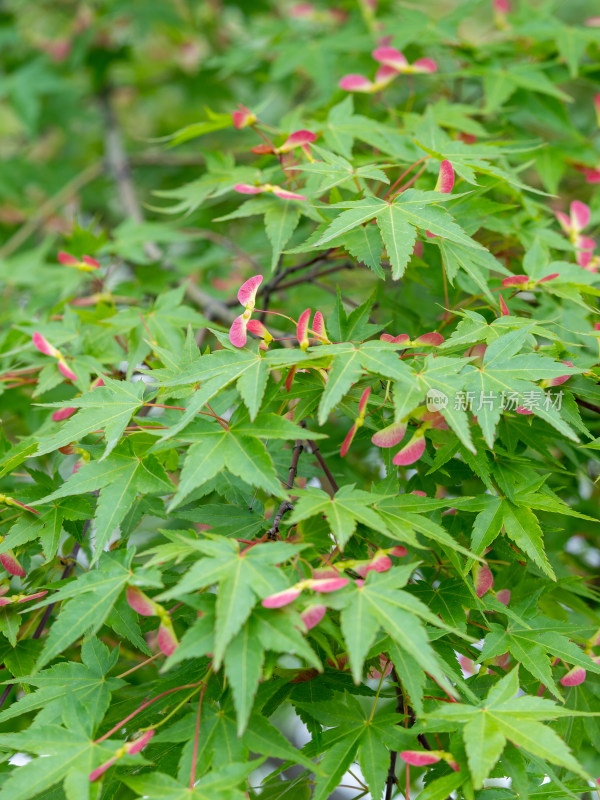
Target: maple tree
column 299, row 400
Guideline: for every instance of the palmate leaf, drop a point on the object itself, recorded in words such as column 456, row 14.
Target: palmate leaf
column 506, row 374
column 379, row 603
column 108, row 408
column 69, row 757
column 244, row 456
column 243, row 580
column 244, row 658
column 349, row 361
column 503, row 716
column 519, row 523
column 477, row 264
column 46, row 527
column 398, row 222
column 398, row 236
column 119, row 479
column 219, row 784
column 281, row 220
column 535, row 649
column 91, row 598
column 86, row 682
column 343, row 511
column 218, row 370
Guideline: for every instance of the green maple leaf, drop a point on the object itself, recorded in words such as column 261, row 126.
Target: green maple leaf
column 46, row 527
column 243, row 580
column 244, row 658
column 108, row 408
column 87, row 682
column 343, row 511
column 160, row 327
column 504, row 371
column 219, row 784
column 216, row 371
column 349, row 361
column 477, row 264
column 503, row 716
column 120, row 478
column 398, row 221
column 535, row 644
column 380, row 603
column 243, row 455
column 70, row 754
column 90, row 598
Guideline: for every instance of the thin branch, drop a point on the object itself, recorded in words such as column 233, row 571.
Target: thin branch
column 118, row 164
column 589, row 406
column 286, row 506
column 323, row 464
column 391, row 779
column 313, row 276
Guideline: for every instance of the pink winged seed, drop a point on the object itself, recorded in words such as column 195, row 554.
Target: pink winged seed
column 65, row 370
column 302, row 327
column 348, row 441
column 482, row 578
column 562, row 378
column 138, row 744
column 67, row 259
column 297, row 139
column 237, row 332
column 312, row 615
column 140, row 602
column 63, row 413
column 425, row 65
column 247, row 291
column 420, row 758
column 400, row 339
column 503, row 596
column 44, row 346
column 255, row 326
column 328, row 584
column 573, row 677
column 284, row 194
column 515, row 280
column 580, row 215
column 411, row 452
column 355, row 83
column 445, row 181
column 390, row 57
column 319, row 327
column 364, row 400
column 167, row 641
column 433, row 339
column 390, row 436
column 248, row 188
column 11, row 565
column 99, row 771
column 283, row 598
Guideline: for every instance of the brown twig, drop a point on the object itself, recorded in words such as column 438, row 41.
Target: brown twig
column 323, row 464
column 391, row 779
column 589, row 406
column 286, row 506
